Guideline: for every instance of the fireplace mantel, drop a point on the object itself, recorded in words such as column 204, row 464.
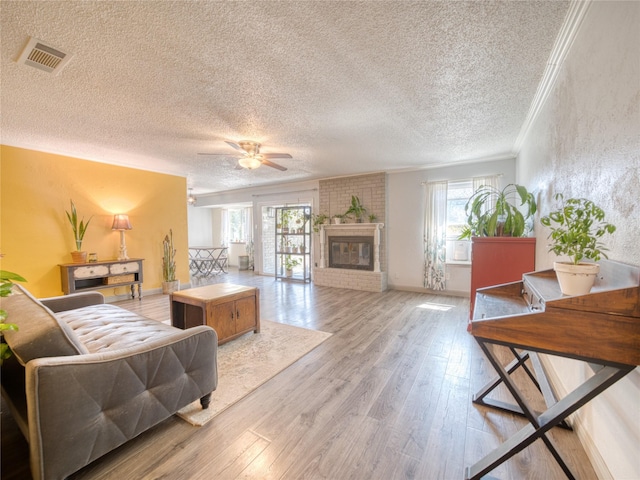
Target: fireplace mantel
column 361, row 229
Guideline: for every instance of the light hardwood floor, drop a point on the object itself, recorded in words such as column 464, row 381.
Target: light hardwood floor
column 388, row 396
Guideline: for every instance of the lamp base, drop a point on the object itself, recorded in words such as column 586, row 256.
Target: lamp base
column 122, row 254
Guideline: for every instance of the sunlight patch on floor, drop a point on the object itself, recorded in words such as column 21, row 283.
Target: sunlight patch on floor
column 441, row 307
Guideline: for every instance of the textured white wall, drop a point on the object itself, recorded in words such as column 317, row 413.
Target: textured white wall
column 586, row 143
column 405, row 221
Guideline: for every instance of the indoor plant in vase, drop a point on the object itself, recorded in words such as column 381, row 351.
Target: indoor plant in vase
column 492, row 213
column 169, row 282
column 79, row 229
column 356, row 209
column 577, row 225
column 289, row 264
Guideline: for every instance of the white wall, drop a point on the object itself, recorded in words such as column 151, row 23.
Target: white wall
column 405, row 221
column 200, row 222
column 586, row 142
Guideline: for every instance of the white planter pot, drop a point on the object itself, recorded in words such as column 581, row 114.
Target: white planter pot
column 288, row 273
column 170, row 287
column 576, row 279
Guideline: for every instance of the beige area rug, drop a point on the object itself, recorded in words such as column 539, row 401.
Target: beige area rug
column 249, row 361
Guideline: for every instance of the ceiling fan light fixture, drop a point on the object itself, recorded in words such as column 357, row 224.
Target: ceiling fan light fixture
column 249, row 162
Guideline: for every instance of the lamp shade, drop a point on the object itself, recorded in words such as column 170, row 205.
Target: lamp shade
column 121, row 222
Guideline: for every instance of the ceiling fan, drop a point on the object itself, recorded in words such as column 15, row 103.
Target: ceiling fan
column 251, row 157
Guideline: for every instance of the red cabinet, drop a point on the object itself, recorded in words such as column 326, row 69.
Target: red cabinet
column 497, row 260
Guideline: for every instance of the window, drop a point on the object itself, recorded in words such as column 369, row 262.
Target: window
column 458, row 193
column 236, row 225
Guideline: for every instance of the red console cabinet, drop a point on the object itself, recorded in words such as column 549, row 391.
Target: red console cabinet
column 497, row 260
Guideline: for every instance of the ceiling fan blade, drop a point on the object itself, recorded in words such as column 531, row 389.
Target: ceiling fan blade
column 235, row 145
column 273, row 165
column 220, row 154
column 276, row 155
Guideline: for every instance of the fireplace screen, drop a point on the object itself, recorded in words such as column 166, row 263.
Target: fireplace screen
column 351, row 252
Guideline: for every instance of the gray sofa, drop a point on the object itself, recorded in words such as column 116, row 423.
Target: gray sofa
column 87, row 376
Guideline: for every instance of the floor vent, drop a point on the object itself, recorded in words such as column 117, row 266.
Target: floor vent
column 39, row 55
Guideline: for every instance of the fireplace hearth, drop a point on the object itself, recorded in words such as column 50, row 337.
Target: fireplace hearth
column 353, row 252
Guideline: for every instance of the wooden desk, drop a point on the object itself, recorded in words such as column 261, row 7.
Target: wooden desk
column 81, row 277
column 232, row 310
column 531, row 317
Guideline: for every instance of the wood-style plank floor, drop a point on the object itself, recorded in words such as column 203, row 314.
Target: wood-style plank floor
column 388, row 396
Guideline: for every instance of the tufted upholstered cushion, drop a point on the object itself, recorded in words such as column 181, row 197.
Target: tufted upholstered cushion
column 106, row 327
column 40, row 332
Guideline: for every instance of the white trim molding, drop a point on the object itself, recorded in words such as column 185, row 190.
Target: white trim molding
column 571, row 26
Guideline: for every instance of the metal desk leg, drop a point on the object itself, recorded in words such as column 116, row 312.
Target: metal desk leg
column 540, row 424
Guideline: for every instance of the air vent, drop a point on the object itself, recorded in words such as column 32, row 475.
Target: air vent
column 45, row 57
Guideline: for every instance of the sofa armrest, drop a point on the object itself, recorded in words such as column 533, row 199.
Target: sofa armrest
column 81, row 407
column 72, row 301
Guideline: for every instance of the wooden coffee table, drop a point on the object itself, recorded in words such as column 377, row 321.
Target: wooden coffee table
column 232, row 310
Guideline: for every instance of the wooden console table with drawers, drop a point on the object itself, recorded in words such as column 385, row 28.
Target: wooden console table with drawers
column 80, row 277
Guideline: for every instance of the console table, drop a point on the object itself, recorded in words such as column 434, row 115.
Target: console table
column 80, row 277
column 529, row 317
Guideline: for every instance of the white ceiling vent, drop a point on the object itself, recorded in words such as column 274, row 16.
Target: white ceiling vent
column 38, row 54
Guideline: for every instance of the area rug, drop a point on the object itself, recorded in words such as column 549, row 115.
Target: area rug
column 249, row 361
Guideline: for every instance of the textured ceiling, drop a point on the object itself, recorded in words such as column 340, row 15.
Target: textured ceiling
column 344, row 87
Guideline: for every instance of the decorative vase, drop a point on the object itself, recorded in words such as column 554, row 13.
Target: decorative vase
column 79, row 257
column 576, row 279
column 288, row 272
column 170, row 287
column 336, row 221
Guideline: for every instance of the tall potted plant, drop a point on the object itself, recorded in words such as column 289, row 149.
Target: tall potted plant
column 79, row 229
column 497, row 222
column 577, row 226
column 492, row 212
column 169, row 282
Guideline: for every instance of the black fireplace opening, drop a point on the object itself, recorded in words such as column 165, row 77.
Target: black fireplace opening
column 351, row 252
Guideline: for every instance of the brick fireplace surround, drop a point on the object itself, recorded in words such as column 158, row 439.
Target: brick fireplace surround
column 335, row 197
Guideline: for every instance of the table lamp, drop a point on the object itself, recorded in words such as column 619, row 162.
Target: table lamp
column 121, row 223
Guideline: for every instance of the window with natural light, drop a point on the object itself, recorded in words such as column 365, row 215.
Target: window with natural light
column 458, row 193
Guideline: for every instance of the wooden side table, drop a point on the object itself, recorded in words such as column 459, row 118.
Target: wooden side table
column 231, row 310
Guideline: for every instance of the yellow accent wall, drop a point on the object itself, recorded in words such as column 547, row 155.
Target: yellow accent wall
column 35, row 235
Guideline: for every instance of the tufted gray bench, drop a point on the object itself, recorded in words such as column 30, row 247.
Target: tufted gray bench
column 87, row 376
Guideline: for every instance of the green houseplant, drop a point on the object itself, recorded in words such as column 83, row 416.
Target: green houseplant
column 169, row 282
column 6, row 282
column 492, row 213
column 289, row 264
column 577, row 226
column 356, row 209
column 319, row 219
column 79, row 229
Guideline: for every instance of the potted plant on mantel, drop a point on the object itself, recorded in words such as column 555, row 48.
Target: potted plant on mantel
column 577, row 225
column 169, row 282
column 79, row 229
column 356, row 209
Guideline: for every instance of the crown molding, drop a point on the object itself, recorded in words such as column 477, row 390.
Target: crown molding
column 568, row 32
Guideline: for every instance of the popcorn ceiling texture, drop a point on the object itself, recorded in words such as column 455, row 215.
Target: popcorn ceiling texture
column 344, row 87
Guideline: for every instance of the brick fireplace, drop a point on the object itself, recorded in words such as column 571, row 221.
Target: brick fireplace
column 335, row 197
column 373, row 280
